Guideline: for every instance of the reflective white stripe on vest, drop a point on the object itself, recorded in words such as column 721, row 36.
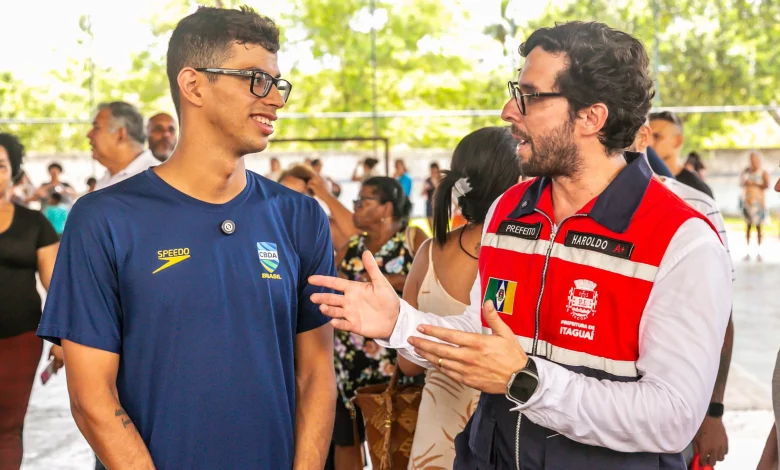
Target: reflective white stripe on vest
column 576, row 358
column 580, row 256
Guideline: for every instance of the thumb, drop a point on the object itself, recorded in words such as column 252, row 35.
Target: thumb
column 494, row 321
column 372, row 269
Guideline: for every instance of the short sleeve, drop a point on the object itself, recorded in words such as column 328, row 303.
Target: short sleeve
column 316, row 259
column 46, row 233
column 82, row 304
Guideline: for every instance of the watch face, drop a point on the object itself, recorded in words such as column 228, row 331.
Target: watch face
column 524, row 386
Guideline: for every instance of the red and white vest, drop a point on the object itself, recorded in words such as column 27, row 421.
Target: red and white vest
column 575, row 293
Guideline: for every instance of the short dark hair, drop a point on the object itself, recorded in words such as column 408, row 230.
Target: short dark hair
column 488, row 159
column 667, row 116
column 434, row 165
column 204, row 39
column 15, row 151
column 371, row 162
column 55, row 165
column 604, row 66
column 91, row 180
column 302, row 172
column 55, row 197
column 125, row 115
column 316, row 162
column 390, row 190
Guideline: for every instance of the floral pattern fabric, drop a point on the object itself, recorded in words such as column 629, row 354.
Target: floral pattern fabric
column 360, row 361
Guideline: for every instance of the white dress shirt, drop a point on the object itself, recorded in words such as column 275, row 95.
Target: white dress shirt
column 680, row 337
column 141, row 163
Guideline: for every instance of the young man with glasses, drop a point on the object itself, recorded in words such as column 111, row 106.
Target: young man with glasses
column 602, row 298
column 180, row 295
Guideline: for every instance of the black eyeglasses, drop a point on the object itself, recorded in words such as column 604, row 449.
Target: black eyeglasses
column 519, row 96
column 260, row 83
column 358, row 203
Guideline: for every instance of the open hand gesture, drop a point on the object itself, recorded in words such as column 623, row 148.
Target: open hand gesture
column 369, row 308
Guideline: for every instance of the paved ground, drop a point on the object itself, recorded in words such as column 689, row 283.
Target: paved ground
column 52, row 440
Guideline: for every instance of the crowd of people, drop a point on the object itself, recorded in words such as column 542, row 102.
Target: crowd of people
column 572, row 308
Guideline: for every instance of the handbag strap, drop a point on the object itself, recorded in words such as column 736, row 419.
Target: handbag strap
column 356, row 443
column 394, row 380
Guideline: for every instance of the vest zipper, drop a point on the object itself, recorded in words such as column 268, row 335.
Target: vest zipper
column 555, row 229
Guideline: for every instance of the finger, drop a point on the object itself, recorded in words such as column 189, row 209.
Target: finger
column 696, row 449
column 444, row 351
column 447, row 365
column 329, row 282
column 706, row 459
column 494, row 321
column 334, row 312
column 374, row 274
column 332, row 300
column 721, row 454
column 341, row 324
column 461, row 338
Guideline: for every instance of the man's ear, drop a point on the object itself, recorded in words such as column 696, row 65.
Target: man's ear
column 189, row 81
column 593, row 119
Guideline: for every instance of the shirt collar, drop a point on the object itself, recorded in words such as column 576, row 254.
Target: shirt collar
column 614, row 207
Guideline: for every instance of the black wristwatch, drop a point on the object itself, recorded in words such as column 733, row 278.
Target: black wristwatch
column 523, row 383
column 715, row 410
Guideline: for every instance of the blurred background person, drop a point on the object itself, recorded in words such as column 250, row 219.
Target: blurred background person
column 668, row 141
column 754, row 182
column 276, row 170
column 365, row 169
column 402, row 175
column 695, row 164
column 117, row 140
column 381, row 215
column 56, row 212
column 23, row 189
column 54, row 185
column 297, row 178
column 429, row 186
column 333, row 187
column 91, row 184
column 28, row 245
column 484, row 165
column 161, row 131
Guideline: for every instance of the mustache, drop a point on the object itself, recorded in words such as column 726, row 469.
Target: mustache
column 517, row 133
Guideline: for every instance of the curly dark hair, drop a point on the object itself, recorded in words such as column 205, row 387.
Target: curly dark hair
column 15, row 151
column 204, row 39
column 604, row 66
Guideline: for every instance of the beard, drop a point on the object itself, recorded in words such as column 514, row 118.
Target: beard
column 552, row 155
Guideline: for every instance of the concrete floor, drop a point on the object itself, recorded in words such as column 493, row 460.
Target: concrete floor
column 52, row 440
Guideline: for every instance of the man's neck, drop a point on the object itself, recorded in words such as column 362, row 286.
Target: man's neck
column 570, row 194
column 204, row 172
column 124, row 160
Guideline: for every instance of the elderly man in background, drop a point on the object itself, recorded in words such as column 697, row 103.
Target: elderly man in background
column 117, row 140
column 162, row 131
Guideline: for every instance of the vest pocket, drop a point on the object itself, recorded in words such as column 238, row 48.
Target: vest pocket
column 481, row 439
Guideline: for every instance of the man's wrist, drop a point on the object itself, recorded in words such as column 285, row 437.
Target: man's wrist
column 715, row 410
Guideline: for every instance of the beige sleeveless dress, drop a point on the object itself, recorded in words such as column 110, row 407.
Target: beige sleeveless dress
column 446, row 405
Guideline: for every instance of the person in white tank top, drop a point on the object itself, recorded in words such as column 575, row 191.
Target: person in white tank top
column 484, row 165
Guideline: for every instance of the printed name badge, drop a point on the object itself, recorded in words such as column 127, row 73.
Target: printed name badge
column 519, row 229
column 600, row 244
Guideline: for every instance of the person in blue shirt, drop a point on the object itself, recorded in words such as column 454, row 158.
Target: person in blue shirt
column 180, row 295
column 402, row 175
column 56, row 212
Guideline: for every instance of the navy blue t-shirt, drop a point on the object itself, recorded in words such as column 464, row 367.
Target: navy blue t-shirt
column 205, row 323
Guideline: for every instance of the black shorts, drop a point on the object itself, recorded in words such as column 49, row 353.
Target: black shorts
column 342, row 427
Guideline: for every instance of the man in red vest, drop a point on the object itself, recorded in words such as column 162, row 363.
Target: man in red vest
column 604, row 297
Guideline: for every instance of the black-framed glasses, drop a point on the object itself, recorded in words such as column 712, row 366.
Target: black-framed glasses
column 520, row 97
column 358, row 203
column 260, row 83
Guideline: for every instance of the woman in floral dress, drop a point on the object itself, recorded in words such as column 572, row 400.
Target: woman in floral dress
column 382, row 214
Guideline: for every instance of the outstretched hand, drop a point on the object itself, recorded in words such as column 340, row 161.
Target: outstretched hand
column 369, row 308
